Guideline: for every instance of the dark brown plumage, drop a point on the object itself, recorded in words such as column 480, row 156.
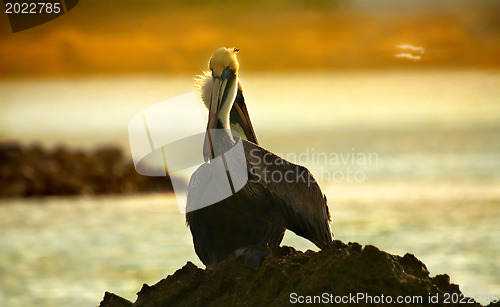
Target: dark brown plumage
column 255, row 217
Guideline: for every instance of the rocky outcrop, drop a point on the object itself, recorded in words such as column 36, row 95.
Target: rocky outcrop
column 35, row 171
column 342, row 273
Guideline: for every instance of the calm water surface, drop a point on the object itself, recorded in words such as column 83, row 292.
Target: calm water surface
column 431, row 187
column 68, row 251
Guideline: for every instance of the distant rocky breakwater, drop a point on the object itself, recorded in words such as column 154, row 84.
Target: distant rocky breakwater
column 30, row 171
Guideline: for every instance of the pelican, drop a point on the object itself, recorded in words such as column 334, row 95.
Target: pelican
column 254, row 218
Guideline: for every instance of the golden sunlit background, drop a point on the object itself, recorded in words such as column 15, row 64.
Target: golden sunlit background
column 413, row 84
column 175, row 36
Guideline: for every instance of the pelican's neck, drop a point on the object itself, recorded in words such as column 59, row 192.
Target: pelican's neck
column 222, row 141
column 223, row 119
column 224, row 122
column 224, row 130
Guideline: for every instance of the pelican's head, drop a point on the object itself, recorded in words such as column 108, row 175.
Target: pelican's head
column 223, row 58
column 219, row 90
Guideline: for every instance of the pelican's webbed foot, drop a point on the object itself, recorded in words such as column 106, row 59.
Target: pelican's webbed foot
column 253, row 256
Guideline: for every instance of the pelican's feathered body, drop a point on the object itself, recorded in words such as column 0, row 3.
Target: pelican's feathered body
column 255, row 217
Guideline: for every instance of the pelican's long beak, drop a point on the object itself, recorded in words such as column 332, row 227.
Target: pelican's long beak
column 240, row 116
column 217, row 98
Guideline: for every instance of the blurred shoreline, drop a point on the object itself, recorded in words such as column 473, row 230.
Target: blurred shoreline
column 34, row 170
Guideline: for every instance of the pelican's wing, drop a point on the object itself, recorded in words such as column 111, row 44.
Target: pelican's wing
column 297, row 200
column 240, row 119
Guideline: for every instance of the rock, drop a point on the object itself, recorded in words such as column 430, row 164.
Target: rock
column 112, row 300
column 340, row 272
column 35, row 171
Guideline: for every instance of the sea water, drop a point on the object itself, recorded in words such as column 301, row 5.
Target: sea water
column 409, row 161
